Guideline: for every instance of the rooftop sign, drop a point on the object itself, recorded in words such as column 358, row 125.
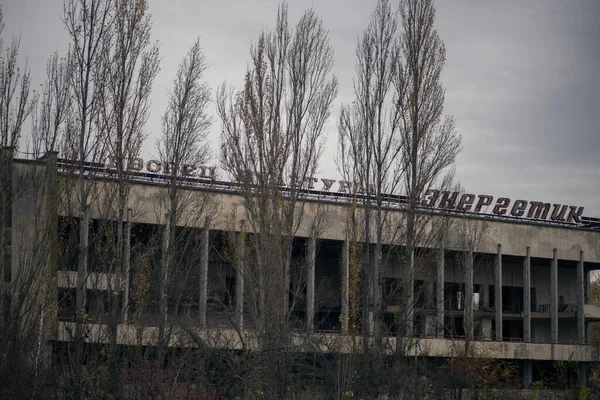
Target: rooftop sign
column 433, row 198
column 468, row 202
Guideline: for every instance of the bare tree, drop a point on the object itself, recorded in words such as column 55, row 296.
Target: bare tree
column 394, row 144
column 89, row 26
column 182, row 146
column 272, row 132
column 429, row 140
column 125, row 103
column 15, row 103
column 369, row 145
column 50, row 118
column 271, row 138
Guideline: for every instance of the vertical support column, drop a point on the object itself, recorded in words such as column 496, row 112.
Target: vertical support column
column 527, row 296
column 498, row 289
column 203, row 272
column 580, row 299
column 310, row 282
column 582, row 374
column 468, row 320
column 410, row 297
column 82, row 267
column 527, row 374
column 164, row 277
column 486, row 322
column 440, row 293
column 430, row 328
column 345, row 273
column 554, row 293
column 127, row 262
column 239, row 279
column 6, row 203
column 52, row 234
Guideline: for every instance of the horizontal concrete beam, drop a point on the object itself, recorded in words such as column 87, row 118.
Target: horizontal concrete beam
column 331, row 343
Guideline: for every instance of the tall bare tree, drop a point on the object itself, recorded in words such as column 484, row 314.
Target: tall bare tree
column 182, row 145
column 50, row 119
column 16, row 103
column 271, row 141
column 428, row 139
column 125, row 103
column 271, row 137
column 89, row 26
column 369, row 145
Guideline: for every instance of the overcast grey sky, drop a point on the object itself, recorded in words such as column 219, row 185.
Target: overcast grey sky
column 522, row 78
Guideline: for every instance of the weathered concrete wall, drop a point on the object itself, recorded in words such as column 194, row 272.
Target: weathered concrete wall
column 515, row 237
column 426, row 347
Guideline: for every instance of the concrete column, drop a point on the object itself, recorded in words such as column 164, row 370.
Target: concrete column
column 6, row 201
column 468, row 316
column 82, row 265
column 498, row 289
column 410, row 296
column 164, row 277
column 581, row 300
column 51, row 330
column 310, row 282
column 527, row 374
column 440, row 293
column 345, row 274
column 527, row 296
column 582, row 373
column 239, row 279
column 204, row 272
column 554, row 293
column 127, row 265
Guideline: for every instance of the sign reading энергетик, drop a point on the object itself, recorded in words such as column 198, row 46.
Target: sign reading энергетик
column 468, row 202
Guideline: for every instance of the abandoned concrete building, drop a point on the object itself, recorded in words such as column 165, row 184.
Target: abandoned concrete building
column 522, row 294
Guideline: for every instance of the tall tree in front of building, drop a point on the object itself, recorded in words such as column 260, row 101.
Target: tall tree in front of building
column 89, row 25
column 428, row 138
column 395, row 140
column 182, row 146
column 272, row 132
column 125, row 109
column 369, row 146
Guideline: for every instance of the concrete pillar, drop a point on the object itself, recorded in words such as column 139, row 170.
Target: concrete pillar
column 527, row 374
column 310, row 282
column 581, row 337
column 554, row 294
column 345, row 274
column 6, row 201
column 527, row 296
column 468, row 315
column 127, row 265
column 164, row 277
column 440, row 293
column 582, row 374
column 51, row 330
column 204, row 272
column 410, row 296
column 82, row 265
column 239, row 279
column 498, row 289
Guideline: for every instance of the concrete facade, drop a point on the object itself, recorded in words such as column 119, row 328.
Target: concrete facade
column 521, row 294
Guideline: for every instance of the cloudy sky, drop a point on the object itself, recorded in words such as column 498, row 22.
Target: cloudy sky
column 522, row 78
